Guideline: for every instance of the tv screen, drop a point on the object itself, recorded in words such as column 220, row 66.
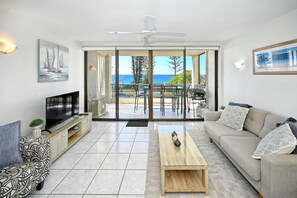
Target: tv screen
column 61, row 107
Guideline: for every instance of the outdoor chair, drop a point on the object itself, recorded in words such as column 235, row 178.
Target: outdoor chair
column 138, row 94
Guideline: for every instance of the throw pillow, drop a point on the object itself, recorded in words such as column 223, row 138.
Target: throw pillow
column 279, row 141
column 233, row 117
column 294, row 131
column 240, row 105
column 9, row 144
column 288, row 120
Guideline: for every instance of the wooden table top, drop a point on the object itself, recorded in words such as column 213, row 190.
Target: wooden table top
column 187, row 155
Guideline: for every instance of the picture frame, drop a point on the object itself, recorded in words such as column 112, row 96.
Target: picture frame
column 53, row 62
column 277, row 59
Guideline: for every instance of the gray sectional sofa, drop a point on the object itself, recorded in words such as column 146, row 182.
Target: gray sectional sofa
column 274, row 176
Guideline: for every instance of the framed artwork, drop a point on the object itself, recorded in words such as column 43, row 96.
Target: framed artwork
column 53, row 62
column 280, row 58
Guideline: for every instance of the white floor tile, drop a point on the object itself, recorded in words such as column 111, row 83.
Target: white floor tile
column 142, row 137
column 108, row 137
column 140, row 147
column 106, row 182
column 138, row 161
column 131, row 196
column 115, row 161
column 133, row 182
column 66, row 161
column 91, row 137
column 80, row 147
column 101, row 147
column 143, row 130
column 65, row 196
column 100, row 196
column 99, row 129
column 52, row 181
column 37, row 196
column 130, row 130
column 76, row 182
column 114, row 129
column 90, row 161
column 121, row 147
column 126, row 138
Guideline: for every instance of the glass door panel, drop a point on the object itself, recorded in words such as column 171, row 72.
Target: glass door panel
column 167, row 84
column 100, row 85
column 133, row 84
column 201, row 90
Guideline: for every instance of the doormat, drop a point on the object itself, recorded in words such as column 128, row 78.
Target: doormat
column 137, row 123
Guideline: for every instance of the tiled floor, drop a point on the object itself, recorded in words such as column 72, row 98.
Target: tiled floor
column 109, row 162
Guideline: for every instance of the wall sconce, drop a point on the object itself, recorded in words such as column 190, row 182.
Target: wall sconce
column 7, row 47
column 239, row 65
column 92, row 68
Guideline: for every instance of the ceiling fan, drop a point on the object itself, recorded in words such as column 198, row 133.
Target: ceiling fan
column 150, row 31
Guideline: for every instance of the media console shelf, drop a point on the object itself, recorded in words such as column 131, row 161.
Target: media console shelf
column 67, row 133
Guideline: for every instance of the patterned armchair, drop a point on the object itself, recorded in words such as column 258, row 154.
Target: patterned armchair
column 19, row 180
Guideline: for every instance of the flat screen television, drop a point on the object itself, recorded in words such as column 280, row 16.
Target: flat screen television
column 60, row 108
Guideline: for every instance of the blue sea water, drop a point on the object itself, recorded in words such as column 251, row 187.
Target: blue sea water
column 157, row 78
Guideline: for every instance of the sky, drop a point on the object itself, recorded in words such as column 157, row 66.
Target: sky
column 161, row 65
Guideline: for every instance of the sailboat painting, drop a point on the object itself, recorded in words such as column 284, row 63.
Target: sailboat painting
column 53, row 62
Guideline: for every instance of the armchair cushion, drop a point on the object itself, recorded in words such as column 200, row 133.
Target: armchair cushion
column 9, row 144
column 18, row 180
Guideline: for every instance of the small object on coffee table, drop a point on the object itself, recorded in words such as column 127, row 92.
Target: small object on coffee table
column 175, row 140
column 177, row 143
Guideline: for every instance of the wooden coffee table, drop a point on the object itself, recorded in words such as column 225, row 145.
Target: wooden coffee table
column 183, row 169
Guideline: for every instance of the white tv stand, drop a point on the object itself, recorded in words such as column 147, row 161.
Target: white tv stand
column 65, row 134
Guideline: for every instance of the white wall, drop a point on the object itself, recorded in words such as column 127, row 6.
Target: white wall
column 21, row 96
column 275, row 93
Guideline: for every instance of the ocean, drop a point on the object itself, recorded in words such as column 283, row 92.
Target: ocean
column 157, row 78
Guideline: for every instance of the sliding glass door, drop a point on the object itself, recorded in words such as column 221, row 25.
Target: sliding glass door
column 133, row 84
column 152, row 84
column 168, row 84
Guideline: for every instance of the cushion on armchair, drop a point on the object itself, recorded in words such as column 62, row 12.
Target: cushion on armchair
column 9, row 144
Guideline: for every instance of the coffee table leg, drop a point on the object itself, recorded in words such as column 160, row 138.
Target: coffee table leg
column 205, row 180
column 162, row 182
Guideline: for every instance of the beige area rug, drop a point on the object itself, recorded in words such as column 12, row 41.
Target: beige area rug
column 224, row 179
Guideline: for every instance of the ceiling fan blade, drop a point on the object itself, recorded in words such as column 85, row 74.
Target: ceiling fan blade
column 176, row 34
column 124, row 33
column 150, row 22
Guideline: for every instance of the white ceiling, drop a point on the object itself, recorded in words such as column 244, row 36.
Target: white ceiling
column 88, row 21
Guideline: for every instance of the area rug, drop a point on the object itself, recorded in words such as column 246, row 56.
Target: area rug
column 224, row 179
column 137, row 123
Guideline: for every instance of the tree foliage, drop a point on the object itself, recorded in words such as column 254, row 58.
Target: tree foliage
column 175, row 64
column 178, row 79
column 139, row 67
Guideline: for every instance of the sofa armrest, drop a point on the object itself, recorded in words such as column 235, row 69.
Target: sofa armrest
column 279, row 176
column 35, row 149
column 212, row 115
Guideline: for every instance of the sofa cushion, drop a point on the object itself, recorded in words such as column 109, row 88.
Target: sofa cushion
column 254, row 121
column 217, row 130
column 9, row 144
column 233, row 117
column 240, row 149
column 279, row 141
column 270, row 124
